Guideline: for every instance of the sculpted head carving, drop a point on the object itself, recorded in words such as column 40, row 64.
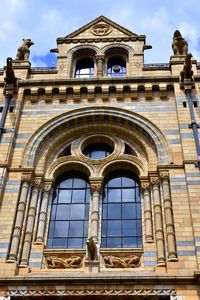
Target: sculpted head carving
column 23, row 51
column 179, row 44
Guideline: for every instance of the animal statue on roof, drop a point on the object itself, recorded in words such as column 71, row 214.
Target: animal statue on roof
column 179, row 44
column 23, row 51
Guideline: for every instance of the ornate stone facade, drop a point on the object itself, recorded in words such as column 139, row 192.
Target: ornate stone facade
column 101, row 112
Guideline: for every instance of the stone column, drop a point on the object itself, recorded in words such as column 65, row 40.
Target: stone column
column 95, row 188
column 158, row 221
column 30, row 223
column 100, row 67
column 167, row 203
column 147, row 211
column 19, row 217
column 43, row 212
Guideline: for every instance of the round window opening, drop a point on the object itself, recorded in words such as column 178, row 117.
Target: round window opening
column 97, row 150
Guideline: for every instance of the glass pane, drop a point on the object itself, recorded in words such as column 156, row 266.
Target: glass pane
column 85, row 234
column 53, row 212
column 59, row 243
column 49, row 243
column 114, row 243
column 104, row 211
column 114, row 211
column 66, row 183
column 138, row 205
column 87, row 195
column 128, row 182
column 104, row 228
column 139, row 228
column 137, row 195
column 61, row 229
column 87, row 211
column 128, row 228
column 114, row 228
column 114, row 195
column 51, row 228
column 76, row 229
column 75, row 243
column 130, row 242
column 62, row 212
column 103, row 243
column 128, row 195
column 64, row 196
column 128, row 211
column 77, row 212
column 78, row 196
column 79, row 183
column 115, row 182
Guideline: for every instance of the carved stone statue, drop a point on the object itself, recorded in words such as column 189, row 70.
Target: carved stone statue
column 23, row 51
column 122, row 262
column 187, row 72
column 72, row 262
column 10, row 75
column 91, row 249
column 179, row 44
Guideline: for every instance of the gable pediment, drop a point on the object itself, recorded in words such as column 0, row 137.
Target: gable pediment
column 100, row 28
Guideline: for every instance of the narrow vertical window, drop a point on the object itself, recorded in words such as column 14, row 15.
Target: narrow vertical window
column 70, row 212
column 121, row 214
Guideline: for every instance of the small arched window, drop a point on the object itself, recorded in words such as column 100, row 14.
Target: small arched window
column 84, row 68
column 116, row 67
column 121, row 213
column 69, row 212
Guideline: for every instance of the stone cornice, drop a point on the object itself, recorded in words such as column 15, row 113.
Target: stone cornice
column 100, row 39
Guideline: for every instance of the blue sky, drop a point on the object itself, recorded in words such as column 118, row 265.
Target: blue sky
column 45, row 20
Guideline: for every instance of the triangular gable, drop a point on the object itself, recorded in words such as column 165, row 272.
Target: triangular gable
column 103, row 26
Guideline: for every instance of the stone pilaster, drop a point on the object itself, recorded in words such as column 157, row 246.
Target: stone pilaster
column 43, row 212
column 167, row 203
column 158, row 221
column 19, row 217
column 147, row 211
column 30, row 222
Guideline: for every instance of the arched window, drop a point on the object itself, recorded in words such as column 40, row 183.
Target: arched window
column 116, row 67
column 84, row 68
column 69, row 212
column 98, row 150
column 121, row 214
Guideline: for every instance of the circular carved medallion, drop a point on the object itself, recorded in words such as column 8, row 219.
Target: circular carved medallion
column 101, row 29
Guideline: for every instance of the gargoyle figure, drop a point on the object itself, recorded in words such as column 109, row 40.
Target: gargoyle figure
column 23, row 51
column 72, row 262
column 91, row 249
column 179, row 44
column 187, row 72
column 10, row 75
column 122, row 262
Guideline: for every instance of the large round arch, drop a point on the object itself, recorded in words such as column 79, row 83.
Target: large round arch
column 83, row 120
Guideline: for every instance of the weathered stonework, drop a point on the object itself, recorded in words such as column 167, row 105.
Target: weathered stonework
column 141, row 112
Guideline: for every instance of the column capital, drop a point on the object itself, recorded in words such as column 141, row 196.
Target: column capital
column 36, row 182
column 154, row 180
column 27, row 177
column 96, row 184
column 100, row 56
column 47, row 185
column 145, row 184
column 164, row 174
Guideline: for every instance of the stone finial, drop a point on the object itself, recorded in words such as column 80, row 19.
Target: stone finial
column 187, row 72
column 23, row 51
column 179, row 44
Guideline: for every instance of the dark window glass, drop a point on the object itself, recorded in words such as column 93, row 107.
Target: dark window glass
column 116, row 67
column 97, row 150
column 121, row 213
column 70, row 212
column 84, row 68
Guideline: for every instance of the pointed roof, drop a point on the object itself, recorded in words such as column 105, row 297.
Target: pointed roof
column 88, row 31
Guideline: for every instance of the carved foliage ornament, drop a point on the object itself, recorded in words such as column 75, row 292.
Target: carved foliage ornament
column 72, row 262
column 101, row 29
